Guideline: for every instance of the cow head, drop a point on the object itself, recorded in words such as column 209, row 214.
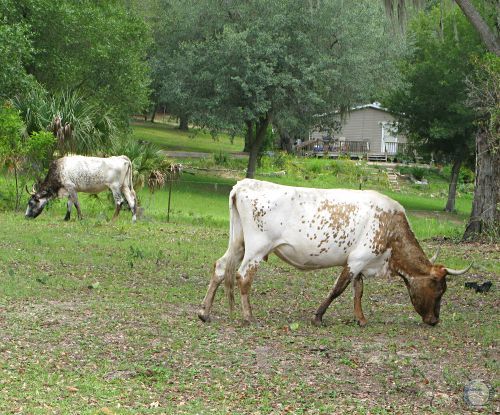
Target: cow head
column 427, row 290
column 37, row 202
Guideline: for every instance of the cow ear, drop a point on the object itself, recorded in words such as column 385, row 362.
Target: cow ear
column 438, row 271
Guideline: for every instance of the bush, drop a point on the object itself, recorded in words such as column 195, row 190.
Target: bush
column 417, row 172
column 145, row 157
column 221, row 158
column 466, row 175
column 315, row 167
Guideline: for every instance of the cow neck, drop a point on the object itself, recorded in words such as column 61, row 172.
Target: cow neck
column 52, row 183
column 407, row 256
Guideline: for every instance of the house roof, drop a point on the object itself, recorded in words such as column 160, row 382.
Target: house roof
column 374, row 105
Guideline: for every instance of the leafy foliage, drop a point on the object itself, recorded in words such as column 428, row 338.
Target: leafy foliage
column 15, row 51
column 244, row 64
column 145, row 157
column 11, row 128
column 91, row 129
column 97, row 48
column 431, row 104
column 484, row 96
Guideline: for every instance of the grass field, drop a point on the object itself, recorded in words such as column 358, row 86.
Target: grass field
column 168, row 137
column 99, row 318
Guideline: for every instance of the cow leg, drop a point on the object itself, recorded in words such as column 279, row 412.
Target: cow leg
column 245, row 276
column 131, row 198
column 224, row 265
column 73, row 197
column 340, row 285
column 358, row 294
column 117, row 196
column 68, row 209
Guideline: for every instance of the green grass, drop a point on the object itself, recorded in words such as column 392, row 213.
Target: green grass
column 168, row 137
column 99, row 317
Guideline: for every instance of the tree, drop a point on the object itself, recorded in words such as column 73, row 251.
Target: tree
column 14, row 53
column 484, row 97
column 485, row 195
column 20, row 152
column 80, row 125
column 97, row 48
column 11, row 143
column 264, row 60
column 484, row 198
column 176, row 23
column 488, row 37
column 431, row 104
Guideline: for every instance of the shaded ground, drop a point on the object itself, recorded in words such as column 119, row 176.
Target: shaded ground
column 197, row 154
column 100, row 319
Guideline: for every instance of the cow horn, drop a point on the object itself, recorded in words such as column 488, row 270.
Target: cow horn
column 459, row 271
column 33, row 191
column 435, row 256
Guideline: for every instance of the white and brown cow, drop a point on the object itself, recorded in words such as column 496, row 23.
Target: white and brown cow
column 71, row 174
column 365, row 232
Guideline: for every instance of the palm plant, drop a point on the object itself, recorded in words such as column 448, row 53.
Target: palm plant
column 150, row 164
column 80, row 125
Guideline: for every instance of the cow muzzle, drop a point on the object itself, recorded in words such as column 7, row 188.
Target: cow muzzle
column 431, row 321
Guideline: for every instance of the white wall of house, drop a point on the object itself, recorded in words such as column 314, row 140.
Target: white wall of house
column 368, row 122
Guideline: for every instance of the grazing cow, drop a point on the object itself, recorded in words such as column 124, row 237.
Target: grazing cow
column 365, row 232
column 71, row 174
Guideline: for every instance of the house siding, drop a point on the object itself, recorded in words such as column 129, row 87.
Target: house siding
column 363, row 124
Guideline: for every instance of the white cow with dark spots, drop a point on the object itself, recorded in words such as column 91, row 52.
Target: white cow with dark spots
column 72, row 174
column 365, row 232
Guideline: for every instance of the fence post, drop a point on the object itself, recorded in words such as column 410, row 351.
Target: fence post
column 170, row 179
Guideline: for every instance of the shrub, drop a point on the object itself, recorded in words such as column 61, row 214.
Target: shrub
column 417, row 172
column 221, row 158
column 466, row 175
column 315, row 166
column 145, row 157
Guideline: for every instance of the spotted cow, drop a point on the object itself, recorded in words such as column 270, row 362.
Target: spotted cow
column 364, row 232
column 71, row 174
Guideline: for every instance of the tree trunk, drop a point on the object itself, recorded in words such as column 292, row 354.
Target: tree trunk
column 476, row 20
column 485, row 213
column 248, row 137
column 452, row 191
column 286, row 142
column 153, row 115
column 17, row 187
column 184, row 122
column 256, row 144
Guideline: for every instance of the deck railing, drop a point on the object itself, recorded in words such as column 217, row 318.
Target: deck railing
column 357, row 149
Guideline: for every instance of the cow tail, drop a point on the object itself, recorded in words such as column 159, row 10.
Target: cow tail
column 129, row 178
column 236, row 245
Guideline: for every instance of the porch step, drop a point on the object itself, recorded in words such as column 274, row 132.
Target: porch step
column 392, row 177
column 377, row 157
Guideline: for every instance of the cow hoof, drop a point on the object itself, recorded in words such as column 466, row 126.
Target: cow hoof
column 66, row 218
column 361, row 323
column 203, row 317
column 317, row 322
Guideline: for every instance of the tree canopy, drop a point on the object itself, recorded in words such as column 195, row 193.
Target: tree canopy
column 253, row 62
column 97, row 48
column 432, row 101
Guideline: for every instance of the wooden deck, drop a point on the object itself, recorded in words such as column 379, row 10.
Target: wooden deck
column 352, row 149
